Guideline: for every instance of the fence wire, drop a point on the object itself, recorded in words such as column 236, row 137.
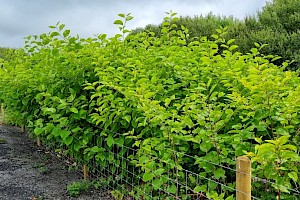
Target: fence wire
column 117, row 173
column 254, row 178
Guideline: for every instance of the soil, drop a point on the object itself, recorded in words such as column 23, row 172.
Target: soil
column 27, row 172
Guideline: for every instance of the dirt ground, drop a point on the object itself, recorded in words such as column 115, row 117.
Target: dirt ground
column 29, row 173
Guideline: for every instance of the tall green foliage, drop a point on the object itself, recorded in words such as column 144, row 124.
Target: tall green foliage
column 165, row 97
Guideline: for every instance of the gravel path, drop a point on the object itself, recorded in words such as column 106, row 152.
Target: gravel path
column 27, row 173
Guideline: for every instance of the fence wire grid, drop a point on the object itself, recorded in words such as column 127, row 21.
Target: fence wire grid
column 116, row 173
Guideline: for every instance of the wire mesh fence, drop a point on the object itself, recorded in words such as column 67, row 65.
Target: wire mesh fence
column 129, row 173
column 115, row 168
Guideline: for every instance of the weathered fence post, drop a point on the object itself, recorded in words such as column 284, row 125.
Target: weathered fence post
column 243, row 178
column 38, row 141
column 2, row 112
column 85, row 172
column 22, row 128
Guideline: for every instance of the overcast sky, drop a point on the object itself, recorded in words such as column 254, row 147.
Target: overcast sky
column 20, row 18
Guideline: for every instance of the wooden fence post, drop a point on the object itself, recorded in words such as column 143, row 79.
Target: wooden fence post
column 243, row 178
column 85, row 172
column 2, row 112
column 22, row 128
column 38, row 141
column 2, row 109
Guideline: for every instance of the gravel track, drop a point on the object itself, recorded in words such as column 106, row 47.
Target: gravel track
column 21, row 177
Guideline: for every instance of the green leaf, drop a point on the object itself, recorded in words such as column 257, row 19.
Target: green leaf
column 127, row 118
column 147, row 177
column 110, row 140
column 74, row 110
column 269, row 172
column 38, row 131
column 75, row 130
column 294, row 176
column 95, row 149
column 61, row 106
column 218, row 30
column 77, row 146
column 128, row 18
column 64, row 134
column 49, row 110
column 212, row 185
column 157, row 183
column 192, row 179
column 172, row 189
column 215, row 36
column 258, row 140
column 233, row 47
column 230, row 41
column 276, row 58
column 282, row 188
column 219, row 173
column 61, row 27
column 230, row 198
column 201, row 188
column 83, row 114
column 53, row 34
column 56, row 131
column 148, row 95
column 282, row 140
column 118, row 22
column 119, row 141
column 265, row 148
column 288, row 146
column 206, row 146
column 68, row 140
column 159, row 172
column 100, row 156
column 167, row 101
column 66, row 33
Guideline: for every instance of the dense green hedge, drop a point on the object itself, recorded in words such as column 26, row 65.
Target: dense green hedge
column 164, row 97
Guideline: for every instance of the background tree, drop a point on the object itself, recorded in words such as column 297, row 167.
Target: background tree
column 6, row 53
column 277, row 24
column 283, row 15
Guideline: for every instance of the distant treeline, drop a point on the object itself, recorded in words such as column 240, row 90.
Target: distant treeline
column 6, row 53
column 277, row 24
